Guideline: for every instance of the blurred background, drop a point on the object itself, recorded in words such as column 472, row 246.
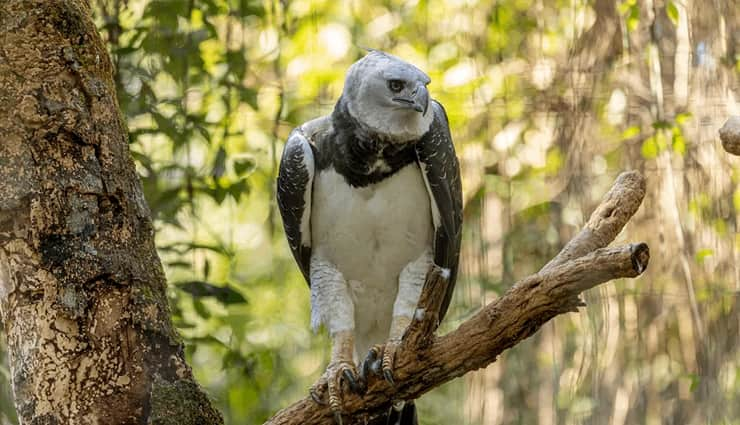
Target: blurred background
column 548, row 102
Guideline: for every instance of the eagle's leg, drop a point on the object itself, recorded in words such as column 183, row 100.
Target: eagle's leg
column 380, row 358
column 341, row 369
column 332, row 306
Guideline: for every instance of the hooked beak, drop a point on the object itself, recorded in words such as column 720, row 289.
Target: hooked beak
column 419, row 100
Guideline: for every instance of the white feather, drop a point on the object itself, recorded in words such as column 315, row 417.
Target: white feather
column 402, row 126
column 330, row 300
column 370, row 234
column 410, row 284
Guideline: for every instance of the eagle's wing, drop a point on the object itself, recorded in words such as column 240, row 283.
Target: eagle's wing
column 436, row 155
column 294, row 188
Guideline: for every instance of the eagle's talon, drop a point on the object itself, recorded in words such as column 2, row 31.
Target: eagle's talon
column 372, row 363
column 377, row 366
column 317, row 391
column 388, row 375
column 366, row 366
column 355, row 384
column 389, row 358
column 328, row 389
column 380, row 361
column 316, row 398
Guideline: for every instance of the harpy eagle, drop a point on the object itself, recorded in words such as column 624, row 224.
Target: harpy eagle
column 370, row 197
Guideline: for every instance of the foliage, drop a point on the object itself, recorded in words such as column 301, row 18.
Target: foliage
column 211, row 88
column 545, row 111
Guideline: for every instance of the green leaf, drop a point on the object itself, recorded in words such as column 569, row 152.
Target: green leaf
column 180, row 264
column 237, row 189
column 702, row 254
column 631, row 132
column 625, row 6
column 166, row 126
column 553, row 161
column 633, row 20
column 683, row 117
column 201, row 309
column 658, row 125
column 679, row 144
column 219, row 163
column 672, row 12
column 251, row 7
column 237, row 63
column 233, row 360
column 243, row 165
column 695, row 380
column 649, row 148
column 249, row 96
column 207, row 339
column 200, row 289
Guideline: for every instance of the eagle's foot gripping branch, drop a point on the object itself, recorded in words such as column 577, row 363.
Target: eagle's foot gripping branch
column 380, row 360
column 341, row 370
column 328, row 389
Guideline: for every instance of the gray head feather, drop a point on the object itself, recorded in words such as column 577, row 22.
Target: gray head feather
column 388, row 96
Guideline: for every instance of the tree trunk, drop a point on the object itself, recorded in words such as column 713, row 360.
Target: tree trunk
column 82, row 291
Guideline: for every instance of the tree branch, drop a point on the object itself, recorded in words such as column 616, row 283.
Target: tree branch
column 730, row 135
column 426, row 362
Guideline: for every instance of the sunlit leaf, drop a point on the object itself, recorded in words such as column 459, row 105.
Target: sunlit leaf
column 630, row 132
column 719, row 226
column 553, row 161
column 702, row 254
column 201, row 308
column 683, row 117
column 679, row 144
column 672, row 12
column 633, row 19
column 649, row 148
column 695, row 381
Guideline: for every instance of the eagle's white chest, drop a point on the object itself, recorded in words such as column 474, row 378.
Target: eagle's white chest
column 370, row 234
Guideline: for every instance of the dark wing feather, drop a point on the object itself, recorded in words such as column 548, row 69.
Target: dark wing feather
column 436, row 155
column 294, row 189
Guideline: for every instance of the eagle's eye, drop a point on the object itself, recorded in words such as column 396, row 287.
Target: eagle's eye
column 395, row 85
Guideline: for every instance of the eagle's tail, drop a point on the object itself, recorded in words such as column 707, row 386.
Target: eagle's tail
column 406, row 416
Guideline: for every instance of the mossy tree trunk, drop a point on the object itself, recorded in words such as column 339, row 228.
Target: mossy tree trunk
column 82, row 291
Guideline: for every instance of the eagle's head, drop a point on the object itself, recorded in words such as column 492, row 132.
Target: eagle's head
column 388, row 96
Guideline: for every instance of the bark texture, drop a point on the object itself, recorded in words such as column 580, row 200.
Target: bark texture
column 82, row 291
column 729, row 134
column 425, row 361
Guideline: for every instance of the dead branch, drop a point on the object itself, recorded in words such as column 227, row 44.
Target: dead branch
column 425, row 361
column 730, row 135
